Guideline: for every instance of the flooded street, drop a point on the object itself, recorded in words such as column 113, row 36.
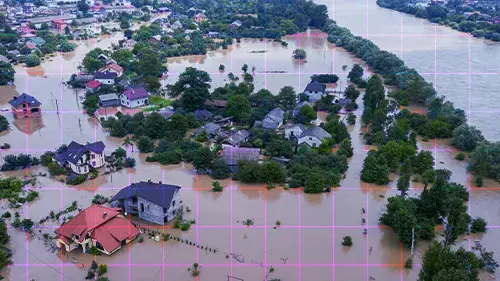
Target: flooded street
column 312, row 226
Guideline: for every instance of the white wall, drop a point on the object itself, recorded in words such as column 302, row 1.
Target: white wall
column 176, row 207
column 311, row 141
column 106, row 81
column 96, row 161
column 314, row 96
column 296, row 132
column 135, row 103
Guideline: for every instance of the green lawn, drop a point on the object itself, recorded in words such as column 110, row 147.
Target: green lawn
column 157, row 102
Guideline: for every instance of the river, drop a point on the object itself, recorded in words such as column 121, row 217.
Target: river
column 312, row 226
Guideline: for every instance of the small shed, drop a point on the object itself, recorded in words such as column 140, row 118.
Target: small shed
column 109, row 100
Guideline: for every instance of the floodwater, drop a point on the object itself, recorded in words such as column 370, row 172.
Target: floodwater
column 307, row 244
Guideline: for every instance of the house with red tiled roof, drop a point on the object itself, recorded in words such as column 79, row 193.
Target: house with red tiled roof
column 93, row 85
column 113, row 68
column 103, row 228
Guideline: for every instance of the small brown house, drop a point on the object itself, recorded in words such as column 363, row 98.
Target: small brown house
column 25, row 106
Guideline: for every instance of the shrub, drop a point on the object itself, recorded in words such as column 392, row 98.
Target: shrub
column 478, row 225
column 94, row 265
column 184, row 226
column 278, row 223
column 216, row 186
column 32, row 60
column 478, row 181
column 76, row 180
column 55, row 169
column 347, row 241
column 46, row 158
column 220, row 170
column 460, row 156
column 409, row 263
column 351, row 118
column 129, row 162
column 119, row 153
column 145, row 144
column 6, row 215
column 248, row 222
column 93, row 251
column 102, row 269
column 90, row 275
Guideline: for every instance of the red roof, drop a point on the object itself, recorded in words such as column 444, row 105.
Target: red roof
column 103, row 224
column 30, row 45
column 59, row 21
column 93, row 84
column 113, row 66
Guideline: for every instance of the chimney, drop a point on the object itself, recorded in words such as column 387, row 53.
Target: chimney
column 104, row 215
column 159, row 182
column 149, row 181
column 15, row 98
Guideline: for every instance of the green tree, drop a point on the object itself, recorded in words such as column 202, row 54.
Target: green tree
column 272, row 172
column 6, row 73
column 55, row 169
column 240, row 108
column 32, row 60
column 4, row 124
column 314, row 183
column 90, row 104
column 307, row 114
column 220, row 170
column 424, row 161
column 216, row 186
column 404, row 184
column 66, row 47
column 123, row 57
column 287, row 97
column 124, row 23
column 67, row 31
column 351, row 92
column 299, row 54
column 203, row 158
column 466, row 137
column 280, row 147
column 149, row 63
column 374, row 171
column 346, row 148
column 83, row 7
column 356, row 73
column 145, row 144
column 351, row 119
column 244, row 68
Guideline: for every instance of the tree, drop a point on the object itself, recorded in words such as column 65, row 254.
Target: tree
column 220, row 170
column 404, row 184
column 194, row 98
column 216, row 186
column 67, row 31
column 240, row 108
column 119, row 153
column 314, row 183
column 346, row 148
column 424, row 161
column 66, row 47
column 466, row 137
column 351, row 92
column 83, row 7
column 287, row 97
column 441, row 263
column 356, row 73
column 129, row 162
column 90, row 62
column 32, row 60
column 90, row 104
column 124, row 24
column 6, row 73
column 245, row 68
column 280, row 148
column 4, row 124
column 55, row 169
column 127, row 32
column 123, row 57
column 203, row 158
column 272, row 172
column 152, row 83
column 374, row 170
column 299, row 54
column 149, row 63
column 307, row 114
column 44, row 26
column 145, row 144
column 351, row 118
column 117, row 130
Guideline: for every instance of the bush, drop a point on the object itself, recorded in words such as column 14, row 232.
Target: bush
column 119, row 153
column 55, row 169
column 478, row 225
column 4, row 124
column 46, row 158
column 93, row 251
column 351, row 118
column 184, row 226
column 347, row 241
column 409, row 263
column 460, row 156
column 6, row 215
column 129, row 162
column 220, row 170
column 478, row 181
column 145, row 144
column 102, row 269
column 216, row 186
column 90, row 275
column 76, row 180
column 19, row 162
column 32, row 60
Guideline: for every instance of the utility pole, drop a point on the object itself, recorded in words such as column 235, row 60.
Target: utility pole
column 412, row 241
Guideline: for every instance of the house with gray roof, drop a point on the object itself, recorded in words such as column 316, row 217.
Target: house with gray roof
column 274, row 119
column 313, row 136
column 232, row 155
column 153, row 202
column 315, row 90
column 109, row 100
column 296, row 110
column 202, row 115
column 293, row 131
column 82, row 158
column 211, row 129
column 238, row 137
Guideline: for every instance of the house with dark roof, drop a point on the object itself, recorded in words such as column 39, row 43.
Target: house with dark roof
column 315, row 90
column 202, row 115
column 238, row 137
column 106, row 78
column 109, row 100
column 343, row 102
column 82, row 158
column 153, row 202
column 25, row 106
column 97, row 226
column 313, row 136
column 211, row 129
column 293, row 131
column 134, row 97
column 274, row 119
column 232, row 155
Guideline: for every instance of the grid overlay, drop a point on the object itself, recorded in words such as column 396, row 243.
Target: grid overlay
column 165, row 266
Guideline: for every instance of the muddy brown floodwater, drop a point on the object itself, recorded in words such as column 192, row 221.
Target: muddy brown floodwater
column 312, row 226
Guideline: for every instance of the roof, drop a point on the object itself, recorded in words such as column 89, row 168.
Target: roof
column 104, row 75
column 273, row 119
column 156, row 37
column 75, row 151
column 37, row 40
column 108, row 97
column 317, row 132
column 217, row 103
column 202, row 114
column 24, row 98
column 157, row 193
column 343, row 102
column 238, row 137
column 231, row 155
column 236, row 23
column 136, row 93
column 211, row 128
column 104, row 225
column 3, row 58
column 315, row 86
column 113, row 66
column 296, row 109
column 302, row 127
column 93, row 84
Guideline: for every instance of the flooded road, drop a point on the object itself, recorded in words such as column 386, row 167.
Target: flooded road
column 307, row 244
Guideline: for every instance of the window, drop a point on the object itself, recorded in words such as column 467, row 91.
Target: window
column 164, row 210
column 142, row 207
column 148, row 207
column 134, row 200
column 310, row 138
column 173, row 203
column 93, row 156
column 78, row 169
column 314, row 144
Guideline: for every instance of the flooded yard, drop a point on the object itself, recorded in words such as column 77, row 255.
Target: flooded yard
column 305, row 246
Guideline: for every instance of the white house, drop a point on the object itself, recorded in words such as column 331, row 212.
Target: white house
column 315, row 90
column 112, row 67
column 294, row 131
column 82, row 158
column 135, row 97
column 313, row 136
column 106, row 78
